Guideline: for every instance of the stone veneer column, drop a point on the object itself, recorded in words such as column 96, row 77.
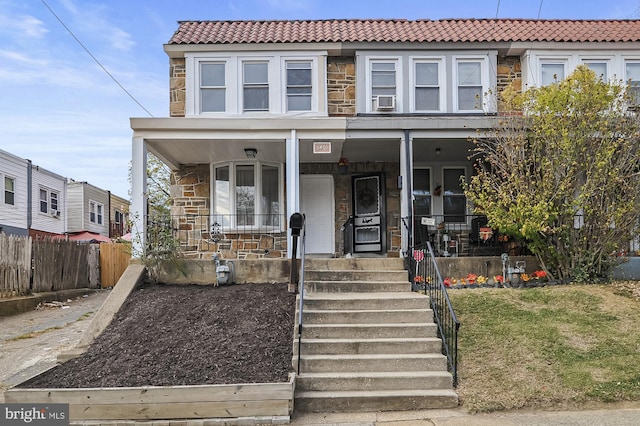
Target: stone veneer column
column 177, row 92
column 509, row 75
column 341, row 86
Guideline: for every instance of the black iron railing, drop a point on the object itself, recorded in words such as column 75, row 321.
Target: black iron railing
column 301, row 290
column 237, row 236
column 426, row 276
column 347, row 236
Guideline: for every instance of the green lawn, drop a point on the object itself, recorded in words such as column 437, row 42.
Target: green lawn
column 550, row 347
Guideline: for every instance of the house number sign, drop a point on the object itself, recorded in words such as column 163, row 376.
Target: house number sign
column 322, row 147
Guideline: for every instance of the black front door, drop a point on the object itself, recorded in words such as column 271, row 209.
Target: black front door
column 368, row 213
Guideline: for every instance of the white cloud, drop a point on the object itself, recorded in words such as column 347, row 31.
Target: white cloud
column 22, row 58
column 21, row 26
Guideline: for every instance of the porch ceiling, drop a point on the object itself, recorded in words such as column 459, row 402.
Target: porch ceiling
column 199, row 151
column 441, row 150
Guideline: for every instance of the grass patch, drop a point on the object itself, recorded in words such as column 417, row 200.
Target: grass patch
column 33, row 334
column 547, row 347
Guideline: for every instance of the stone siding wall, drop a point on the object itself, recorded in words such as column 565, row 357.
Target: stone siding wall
column 341, row 86
column 509, row 75
column 177, row 93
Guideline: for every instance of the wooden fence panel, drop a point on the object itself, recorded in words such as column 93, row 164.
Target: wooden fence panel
column 114, row 259
column 15, row 265
column 60, row 265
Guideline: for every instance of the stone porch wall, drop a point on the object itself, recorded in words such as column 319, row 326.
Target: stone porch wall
column 190, row 191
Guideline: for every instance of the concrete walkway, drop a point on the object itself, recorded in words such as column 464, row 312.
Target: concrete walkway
column 458, row 417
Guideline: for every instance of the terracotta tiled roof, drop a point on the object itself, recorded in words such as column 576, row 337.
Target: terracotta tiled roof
column 401, row 30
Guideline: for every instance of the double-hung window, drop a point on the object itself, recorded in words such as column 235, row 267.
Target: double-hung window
column 599, row 68
column 96, row 212
column 299, row 87
column 427, row 86
column 632, row 70
column 383, row 85
column 454, row 202
column 247, row 195
column 255, row 86
column 551, row 71
column 48, row 201
column 469, row 85
column 44, row 201
column 212, row 87
column 9, row 191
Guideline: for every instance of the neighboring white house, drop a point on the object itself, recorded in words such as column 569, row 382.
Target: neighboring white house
column 14, row 194
column 88, row 208
column 48, row 203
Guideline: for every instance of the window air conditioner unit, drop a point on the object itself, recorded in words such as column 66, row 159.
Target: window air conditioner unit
column 54, row 213
column 385, row 102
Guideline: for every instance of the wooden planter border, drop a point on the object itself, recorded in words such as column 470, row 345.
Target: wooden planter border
column 167, row 402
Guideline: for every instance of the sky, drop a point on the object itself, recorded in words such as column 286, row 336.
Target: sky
column 61, row 108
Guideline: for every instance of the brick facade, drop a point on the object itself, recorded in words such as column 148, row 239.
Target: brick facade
column 509, row 73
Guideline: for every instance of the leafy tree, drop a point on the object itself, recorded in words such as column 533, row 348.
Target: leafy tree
column 561, row 172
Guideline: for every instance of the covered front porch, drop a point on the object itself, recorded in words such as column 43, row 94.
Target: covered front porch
column 367, row 187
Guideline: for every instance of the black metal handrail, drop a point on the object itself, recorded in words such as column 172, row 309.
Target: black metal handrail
column 426, row 275
column 301, row 288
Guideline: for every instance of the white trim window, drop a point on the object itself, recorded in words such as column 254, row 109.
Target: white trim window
column 454, row 202
column 9, row 191
column 552, row 71
column 96, row 212
column 383, row 85
column 49, row 201
column 632, row 75
column 427, row 86
column 470, row 84
column 247, row 194
column 299, row 76
column 213, row 84
column 255, row 86
column 599, row 67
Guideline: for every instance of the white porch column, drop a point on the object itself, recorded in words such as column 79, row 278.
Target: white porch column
column 406, row 193
column 292, row 178
column 138, row 213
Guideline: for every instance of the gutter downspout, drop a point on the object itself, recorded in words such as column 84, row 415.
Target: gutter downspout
column 29, row 196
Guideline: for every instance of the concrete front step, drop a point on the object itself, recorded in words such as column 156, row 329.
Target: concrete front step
column 364, row 401
column 356, row 286
column 351, row 275
column 372, row 362
column 424, row 345
column 366, row 316
column 350, row 301
column 368, row 331
column 362, row 264
column 374, row 381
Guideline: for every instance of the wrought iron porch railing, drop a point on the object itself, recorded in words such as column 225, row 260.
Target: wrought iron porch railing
column 237, row 236
column 425, row 275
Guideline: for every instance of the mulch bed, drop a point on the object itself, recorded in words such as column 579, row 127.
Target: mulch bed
column 167, row 335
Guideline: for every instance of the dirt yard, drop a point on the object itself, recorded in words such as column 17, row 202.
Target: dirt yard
column 188, row 335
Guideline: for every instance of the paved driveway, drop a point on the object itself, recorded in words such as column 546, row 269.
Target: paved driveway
column 30, row 342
